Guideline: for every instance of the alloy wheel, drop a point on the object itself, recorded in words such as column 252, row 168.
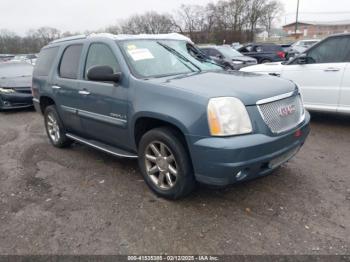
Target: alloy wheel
column 53, row 128
column 161, row 165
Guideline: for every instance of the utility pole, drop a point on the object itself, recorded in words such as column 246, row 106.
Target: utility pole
column 296, row 20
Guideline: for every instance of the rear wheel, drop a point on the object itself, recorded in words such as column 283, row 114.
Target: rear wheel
column 165, row 163
column 55, row 128
column 264, row 61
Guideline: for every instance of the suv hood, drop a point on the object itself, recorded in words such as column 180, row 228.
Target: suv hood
column 249, row 88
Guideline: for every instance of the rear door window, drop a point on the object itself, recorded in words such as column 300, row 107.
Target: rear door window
column 69, row 66
column 45, row 61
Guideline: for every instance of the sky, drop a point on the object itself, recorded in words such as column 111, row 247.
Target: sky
column 79, row 15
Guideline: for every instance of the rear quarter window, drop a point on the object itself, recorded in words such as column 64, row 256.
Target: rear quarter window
column 69, row 66
column 45, row 61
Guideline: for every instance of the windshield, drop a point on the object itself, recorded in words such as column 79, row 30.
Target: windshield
column 158, row 58
column 228, row 52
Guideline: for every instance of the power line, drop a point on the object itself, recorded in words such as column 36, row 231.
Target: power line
column 318, row 13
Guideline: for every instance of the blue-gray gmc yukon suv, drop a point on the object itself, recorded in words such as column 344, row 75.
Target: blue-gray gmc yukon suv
column 159, row 99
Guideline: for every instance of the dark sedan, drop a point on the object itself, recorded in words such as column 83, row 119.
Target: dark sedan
column 264, row 53
column 228, row 57
column 15, row 85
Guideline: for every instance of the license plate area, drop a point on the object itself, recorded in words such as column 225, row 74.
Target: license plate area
column 283, row 158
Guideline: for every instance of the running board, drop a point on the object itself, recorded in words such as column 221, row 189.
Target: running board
column 103, row 147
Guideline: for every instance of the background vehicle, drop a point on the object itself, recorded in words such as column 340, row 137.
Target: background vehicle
column 299, row 47
column 153, row 97
column 286, row 47
column 228, row 57
column 264, row 53
column 236, row 45
column 15, row 85
column 322, row 74
column 29, row 58
column 6, row 57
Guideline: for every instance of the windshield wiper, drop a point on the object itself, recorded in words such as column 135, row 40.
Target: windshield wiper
column 182, row 57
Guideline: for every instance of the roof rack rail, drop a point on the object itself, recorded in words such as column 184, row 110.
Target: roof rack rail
column 107, row 35
column 69, row 38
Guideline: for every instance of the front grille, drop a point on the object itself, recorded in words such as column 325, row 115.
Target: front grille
column 284, row 114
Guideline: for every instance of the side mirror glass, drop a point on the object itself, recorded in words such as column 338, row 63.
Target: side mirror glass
column 302, row 59
column 103, row 74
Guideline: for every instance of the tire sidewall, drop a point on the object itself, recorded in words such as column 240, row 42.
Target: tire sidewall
column 185, row 174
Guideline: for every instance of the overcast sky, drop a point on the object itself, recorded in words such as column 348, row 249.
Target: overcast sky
column 79, row 15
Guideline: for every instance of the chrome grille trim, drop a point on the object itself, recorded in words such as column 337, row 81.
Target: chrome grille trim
column 269, row 111
column 274, row 98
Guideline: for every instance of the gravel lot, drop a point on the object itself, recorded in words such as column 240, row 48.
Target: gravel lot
column 82, row 201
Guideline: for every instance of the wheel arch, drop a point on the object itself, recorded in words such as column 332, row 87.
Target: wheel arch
column 144, row 122
column 46, row 101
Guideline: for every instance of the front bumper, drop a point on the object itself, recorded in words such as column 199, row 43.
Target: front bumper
column 15, row 100
column 218, row 161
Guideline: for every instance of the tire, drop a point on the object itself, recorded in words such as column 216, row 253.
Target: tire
column 55, row 129
column 228, row 67
column 1, row 104
column 264, row 61
column 159, row 171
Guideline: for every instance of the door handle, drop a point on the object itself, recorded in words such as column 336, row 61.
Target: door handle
column 56, row 87
column 332, row 69
column 84, row 92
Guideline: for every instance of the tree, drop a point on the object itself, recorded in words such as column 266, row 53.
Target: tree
column 148, row 23
column 272, row 10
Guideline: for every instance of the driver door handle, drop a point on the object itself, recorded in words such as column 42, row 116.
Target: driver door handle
column 56, row 87
column 332, row 69
column 84, row 92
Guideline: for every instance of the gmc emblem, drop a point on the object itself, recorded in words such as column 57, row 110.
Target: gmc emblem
column 286, row 110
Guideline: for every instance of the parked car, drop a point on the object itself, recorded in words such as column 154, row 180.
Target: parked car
column 236, row 45
column 300, row 47
column 286, row 47
column 5, row 57
column 15, row 85
column 29, row 58
column 184, row 118
column 322, row 74
column 228, row 57
column 264, row 53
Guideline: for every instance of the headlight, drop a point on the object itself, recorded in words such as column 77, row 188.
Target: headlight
column 6, row 90
column 228, row 116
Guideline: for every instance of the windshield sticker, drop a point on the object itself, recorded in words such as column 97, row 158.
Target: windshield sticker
column 140, row 54
column 131, row 47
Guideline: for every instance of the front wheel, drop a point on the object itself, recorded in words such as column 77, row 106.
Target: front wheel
column 165, row 163
column 54, row 128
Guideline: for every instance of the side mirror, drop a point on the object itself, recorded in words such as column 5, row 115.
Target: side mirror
column 302, row 59
column 103, row 74
column 219, row 56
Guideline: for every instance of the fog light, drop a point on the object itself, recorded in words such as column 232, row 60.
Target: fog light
column 241, row 175
column 6, row 103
